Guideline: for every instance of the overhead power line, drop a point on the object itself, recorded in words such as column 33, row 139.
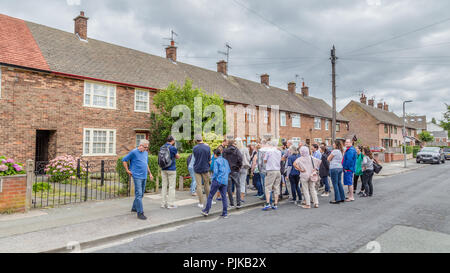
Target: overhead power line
column 399, row 36
column 399, row 49
column 276, row 25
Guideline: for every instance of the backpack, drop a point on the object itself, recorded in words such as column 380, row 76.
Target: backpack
column 164, row 158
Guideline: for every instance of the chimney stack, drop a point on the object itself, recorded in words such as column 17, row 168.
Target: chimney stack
column 292, row 86
column 171, row 51
column 386, row 107
column 305, row 90
column 222, row 67
column 372, row 102
column 81, row 26
column 380, row 105
column 265, row 79
column 363, row 99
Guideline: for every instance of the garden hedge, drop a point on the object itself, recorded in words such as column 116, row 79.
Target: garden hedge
column 182, row 170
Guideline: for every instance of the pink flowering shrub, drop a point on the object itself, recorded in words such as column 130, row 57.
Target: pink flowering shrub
column 64, row 168
column 10, row 167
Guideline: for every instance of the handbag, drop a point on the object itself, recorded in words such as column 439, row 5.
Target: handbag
column 377, row 167
column 314, row 177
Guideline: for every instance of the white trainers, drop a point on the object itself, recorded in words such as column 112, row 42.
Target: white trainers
column 200, row 205
column 172, row 207
column 325, row 194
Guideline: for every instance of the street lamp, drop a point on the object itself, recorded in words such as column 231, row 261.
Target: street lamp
column 404, row 130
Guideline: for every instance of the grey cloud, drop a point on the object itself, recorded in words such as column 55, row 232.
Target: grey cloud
column 204, row 27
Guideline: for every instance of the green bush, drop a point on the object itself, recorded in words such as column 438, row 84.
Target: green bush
column 38, row 187
column 182, row 170
column 416, row 149
column 409, row 149
column 10, row 167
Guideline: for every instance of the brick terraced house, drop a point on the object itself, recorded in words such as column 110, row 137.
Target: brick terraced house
column 65, row 93
column 376, row 126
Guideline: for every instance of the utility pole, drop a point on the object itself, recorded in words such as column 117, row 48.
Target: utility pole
column 404, row 131
column 333, row 75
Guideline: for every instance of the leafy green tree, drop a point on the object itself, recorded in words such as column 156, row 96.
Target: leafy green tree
column 433, row 120
column 165, row 100
column 426, row 137
column 445, row 123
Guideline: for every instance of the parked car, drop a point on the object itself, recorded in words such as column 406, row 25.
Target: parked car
column 447, row 153
column 431, row 154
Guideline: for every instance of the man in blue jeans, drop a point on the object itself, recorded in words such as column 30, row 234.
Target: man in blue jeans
column 138, row 159
column 219, row 183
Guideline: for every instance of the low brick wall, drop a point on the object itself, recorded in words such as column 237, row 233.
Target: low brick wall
column 13, row 193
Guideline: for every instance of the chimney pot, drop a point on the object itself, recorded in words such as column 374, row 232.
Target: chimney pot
column 372, row 102
column 380, row 105
column 363, row 99
column 222, row 67
column 305, row 90
column 265, row 79
column 386, row 107
column 292, row 86
column 81, row 25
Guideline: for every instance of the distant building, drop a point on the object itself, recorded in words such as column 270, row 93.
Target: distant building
column 420, row 122
column 375, row 126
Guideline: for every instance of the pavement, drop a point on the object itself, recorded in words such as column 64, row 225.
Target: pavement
column 94, row 223
column 409, row 212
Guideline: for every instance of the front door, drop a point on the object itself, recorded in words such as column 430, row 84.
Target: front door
column 42, row 144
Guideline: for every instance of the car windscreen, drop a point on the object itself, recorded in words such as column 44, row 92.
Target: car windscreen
column 430, row 149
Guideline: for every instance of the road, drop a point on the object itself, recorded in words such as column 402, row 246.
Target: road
column 405, row 209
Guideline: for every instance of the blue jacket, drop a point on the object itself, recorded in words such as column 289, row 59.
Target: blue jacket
column 349, row 163
column 221, row 170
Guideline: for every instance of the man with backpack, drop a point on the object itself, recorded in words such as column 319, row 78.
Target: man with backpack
column 234, row 158
column 168, row 154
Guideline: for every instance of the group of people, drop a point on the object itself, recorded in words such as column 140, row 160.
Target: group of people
column 217, row 174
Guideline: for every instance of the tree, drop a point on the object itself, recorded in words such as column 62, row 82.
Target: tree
column 445, row 123
column 433, row 120
column 161, row 122
column 426, row 137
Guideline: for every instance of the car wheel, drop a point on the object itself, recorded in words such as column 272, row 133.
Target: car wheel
column 418, row 161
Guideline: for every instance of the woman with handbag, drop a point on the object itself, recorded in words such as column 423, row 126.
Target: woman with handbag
column 367, row 167
column 336, row 169
column 309, row 176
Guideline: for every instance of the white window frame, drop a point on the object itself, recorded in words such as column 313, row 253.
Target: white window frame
column 327, row 125
column 283, row 115
column 91, row 141
column 315, row 123
column 266, row 116
column 318, row 140
column 296, row 141
column 293, row 116
column 140, row 134
column 148, row 100
column 338, row 124
column 91, row 101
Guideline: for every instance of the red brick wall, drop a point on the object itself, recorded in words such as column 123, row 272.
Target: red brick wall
column 363, row 125
column 13, row 194
column 33, row 101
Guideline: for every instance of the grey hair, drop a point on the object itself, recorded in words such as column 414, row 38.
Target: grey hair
column 293, row 150
column 143, row 141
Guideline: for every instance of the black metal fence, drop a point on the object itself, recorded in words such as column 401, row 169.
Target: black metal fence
column 89, row 180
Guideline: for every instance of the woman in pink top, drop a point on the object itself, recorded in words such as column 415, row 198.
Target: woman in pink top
column 305, row 165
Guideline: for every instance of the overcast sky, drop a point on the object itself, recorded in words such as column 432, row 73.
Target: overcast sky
column 393, row 50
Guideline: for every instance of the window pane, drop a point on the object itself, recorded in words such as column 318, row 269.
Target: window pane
column 87, row 141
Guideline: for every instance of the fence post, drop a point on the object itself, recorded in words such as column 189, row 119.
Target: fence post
column 181, row 183
column 79, row 168
column 30, row 178
column 87, row 181
column 102, row 173
column 131, row 186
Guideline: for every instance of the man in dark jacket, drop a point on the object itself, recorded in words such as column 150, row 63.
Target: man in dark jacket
column 324, row 170
column 234, row 158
